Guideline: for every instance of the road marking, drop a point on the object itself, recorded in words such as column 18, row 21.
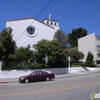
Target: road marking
column 50, row 90
column 11, row 84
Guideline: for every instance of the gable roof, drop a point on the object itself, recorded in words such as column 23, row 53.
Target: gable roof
column 30, row 23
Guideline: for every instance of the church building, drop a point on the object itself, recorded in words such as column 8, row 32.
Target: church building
column 28, row 31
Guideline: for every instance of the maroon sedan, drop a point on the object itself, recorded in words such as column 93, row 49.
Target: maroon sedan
column 37, row 76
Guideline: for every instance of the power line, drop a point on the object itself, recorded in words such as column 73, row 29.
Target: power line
column 36, row 17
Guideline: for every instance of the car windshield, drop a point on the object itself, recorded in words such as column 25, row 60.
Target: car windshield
column 34, row 73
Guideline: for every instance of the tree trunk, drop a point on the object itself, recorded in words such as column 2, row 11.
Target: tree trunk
column 6, row 63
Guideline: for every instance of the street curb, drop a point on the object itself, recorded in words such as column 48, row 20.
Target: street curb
column 4, row 82
column 70, row 76
column 77, row 75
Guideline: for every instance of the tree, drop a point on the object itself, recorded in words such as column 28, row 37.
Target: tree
column 89, row 59
column 72, row 38
column 61, row 37
column 7, row 46
column 29, row 54
column 76, row 55
column 21, row 54
column 54, row 51
column 24, row 54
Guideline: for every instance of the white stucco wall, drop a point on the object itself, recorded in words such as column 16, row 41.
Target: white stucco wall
column 19, row 28
column 53, row 23
column 18, row 73
column 87, row 44
column 98, row 49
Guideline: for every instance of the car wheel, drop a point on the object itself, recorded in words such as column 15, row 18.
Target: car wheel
column 26, row 80
column 47, row 79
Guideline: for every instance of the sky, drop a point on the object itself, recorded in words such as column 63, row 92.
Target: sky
column 69, row 13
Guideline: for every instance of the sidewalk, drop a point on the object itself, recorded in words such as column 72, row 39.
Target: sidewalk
column 15, row 80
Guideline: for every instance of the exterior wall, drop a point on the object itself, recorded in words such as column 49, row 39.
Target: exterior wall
column 87, row 44
column 20, row 34
column 98, row 47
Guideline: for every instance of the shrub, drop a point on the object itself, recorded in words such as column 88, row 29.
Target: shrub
column 77, row 64
column 36, row 66
column 89, row 59
column 92, row 65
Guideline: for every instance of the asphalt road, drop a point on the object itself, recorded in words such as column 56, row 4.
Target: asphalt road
column 72, row 88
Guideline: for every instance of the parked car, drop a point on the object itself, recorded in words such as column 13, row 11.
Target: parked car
column 37, row 76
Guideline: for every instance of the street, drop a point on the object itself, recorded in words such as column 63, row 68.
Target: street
column 72, row 88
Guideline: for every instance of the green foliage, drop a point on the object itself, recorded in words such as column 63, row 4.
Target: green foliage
column 54, row 51
column 7, row 45
column 72, row 38
column 21, row 54
column 77, row 64
column 92, row 65
column 61, row 37
column 29, row 54
column 24, row 54
column 89, row 59
column 36, row 66
column 76, row 55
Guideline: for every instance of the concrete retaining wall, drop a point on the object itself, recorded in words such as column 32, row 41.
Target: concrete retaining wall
column 18, row 73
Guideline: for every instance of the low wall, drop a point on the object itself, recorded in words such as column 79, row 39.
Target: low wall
column 92, row 69
column 18, row 73
column 75, row 69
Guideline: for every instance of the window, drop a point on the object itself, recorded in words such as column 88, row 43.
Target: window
column 98, row 38
column 33, row 73
column 51, row 23
column 55, row 24
column 41, row 73
column 31, row 31
column 98, row 47
column 37, row 73
column 47, row 22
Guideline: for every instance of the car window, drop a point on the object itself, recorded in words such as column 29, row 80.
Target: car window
column 40, row 73
column 33, row 73
column 43, row 72
column 37, row 73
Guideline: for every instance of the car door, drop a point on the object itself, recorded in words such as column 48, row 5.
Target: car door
column 36, row 76
column 33, row 77
column 40, row 76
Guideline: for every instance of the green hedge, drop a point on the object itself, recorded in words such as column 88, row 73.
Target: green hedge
column 37, row 66
column 77, row 64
